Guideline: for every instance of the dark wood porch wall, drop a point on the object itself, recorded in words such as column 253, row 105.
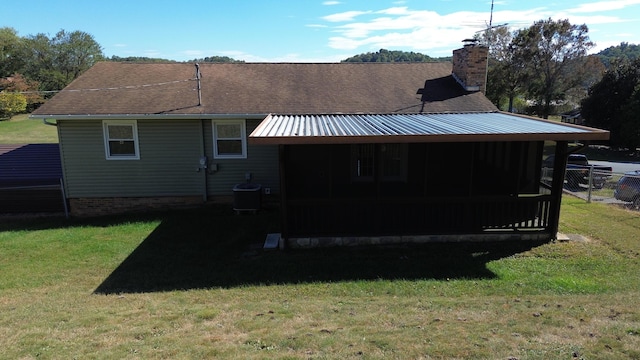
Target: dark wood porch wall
column 449, row 188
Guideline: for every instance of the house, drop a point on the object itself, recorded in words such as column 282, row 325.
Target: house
column 353, row 151
column 572, row 117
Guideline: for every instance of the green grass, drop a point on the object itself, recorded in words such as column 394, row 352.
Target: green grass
column 22, row 130
column 194, row 284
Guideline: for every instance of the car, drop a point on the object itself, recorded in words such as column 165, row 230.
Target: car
column 579, row 170
column 628, row 189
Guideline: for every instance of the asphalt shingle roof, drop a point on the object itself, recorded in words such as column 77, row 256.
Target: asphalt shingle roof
column 111, row 88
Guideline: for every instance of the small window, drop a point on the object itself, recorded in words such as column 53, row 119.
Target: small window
column 393, row 162
column 229, row 139
column 384, row 162
column 121, row 139
column 362, row 162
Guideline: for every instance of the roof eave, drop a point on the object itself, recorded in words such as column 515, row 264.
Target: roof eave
column 146, row 116
column 270, row 132
column 435, row 138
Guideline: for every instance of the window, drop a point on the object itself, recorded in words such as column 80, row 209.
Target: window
column 388, row 162
column 362, row 162
column 393, row 162
column 121, row 139
column 229, row 139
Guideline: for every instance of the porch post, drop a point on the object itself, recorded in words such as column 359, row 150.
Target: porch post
column 559, row 170
column 284, row 222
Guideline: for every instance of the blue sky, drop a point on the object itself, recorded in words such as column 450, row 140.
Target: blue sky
column 305, row 30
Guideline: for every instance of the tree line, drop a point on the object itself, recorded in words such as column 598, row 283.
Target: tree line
column 384, row 55
column 32, row 68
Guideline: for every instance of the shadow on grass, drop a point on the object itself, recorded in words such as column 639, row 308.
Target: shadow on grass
column 215, row 248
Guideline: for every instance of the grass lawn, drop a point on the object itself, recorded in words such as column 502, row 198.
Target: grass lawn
column 194, row 284
column 22, row 130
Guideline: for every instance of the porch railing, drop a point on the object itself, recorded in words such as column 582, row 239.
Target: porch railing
column 375, row 217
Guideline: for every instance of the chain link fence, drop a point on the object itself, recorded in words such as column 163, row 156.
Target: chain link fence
column 607, row 187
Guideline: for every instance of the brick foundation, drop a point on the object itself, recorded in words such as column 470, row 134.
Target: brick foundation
column 302, row 243
column 89, row 207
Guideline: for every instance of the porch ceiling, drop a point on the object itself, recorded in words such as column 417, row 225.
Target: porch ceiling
column 415, row 128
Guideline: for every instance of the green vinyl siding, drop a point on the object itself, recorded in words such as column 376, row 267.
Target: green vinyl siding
column 170, row 152
column 261, row 162
column 169, row 156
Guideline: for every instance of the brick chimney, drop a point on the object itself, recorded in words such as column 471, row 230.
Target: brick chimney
column 470, row 66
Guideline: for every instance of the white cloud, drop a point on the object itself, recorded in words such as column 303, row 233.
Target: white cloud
column 423, row 29
column 329, row 3
column 600, row 6
column 401, row 27
column 194, row 53
column 589, row 20
column 345, row 16
column 236, row 54
column 402, row 10
column 601, row 45
column 151, row 53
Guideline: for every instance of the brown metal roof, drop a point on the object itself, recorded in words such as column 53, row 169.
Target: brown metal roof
column 111, row 88
column 434, row 127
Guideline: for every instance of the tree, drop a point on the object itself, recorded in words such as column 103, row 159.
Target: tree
column 55, row 62
column 139, row 59
column 553, row 52
column 384, row 55
column 591, row 69
column 506, row 72
column 75, row 52
column 630, row 127
column 613, row 102
column 28, row 88
column 624, row 51
column 11, row 104
column 216, row 59
column 40, row 63
column 11, row 52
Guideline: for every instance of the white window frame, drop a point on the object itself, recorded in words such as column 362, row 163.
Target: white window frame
column 105, row 132
column 242, row 138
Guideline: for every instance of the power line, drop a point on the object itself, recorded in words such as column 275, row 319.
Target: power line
column 127, row 87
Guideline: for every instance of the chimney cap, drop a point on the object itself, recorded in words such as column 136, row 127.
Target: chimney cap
column 470, row 41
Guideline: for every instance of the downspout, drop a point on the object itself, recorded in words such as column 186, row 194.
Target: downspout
column 64, row 199
column 63, row 191
column 204, row 163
